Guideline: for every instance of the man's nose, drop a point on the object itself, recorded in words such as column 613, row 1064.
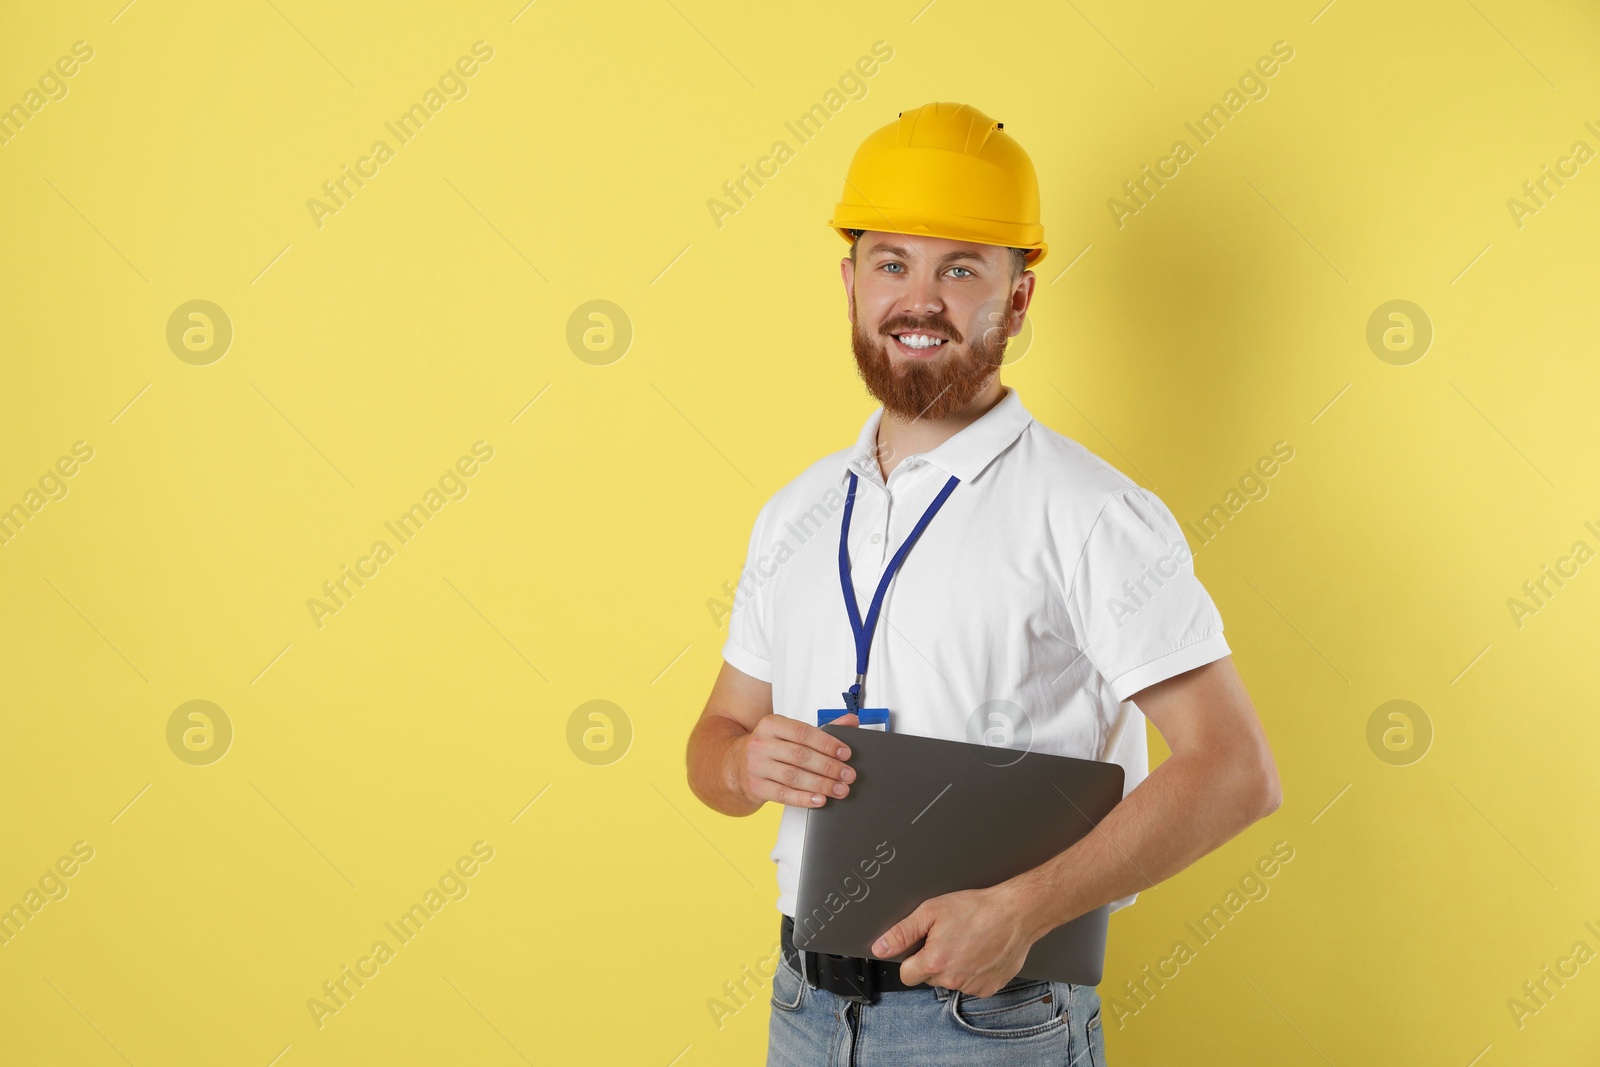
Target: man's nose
column 921, row 295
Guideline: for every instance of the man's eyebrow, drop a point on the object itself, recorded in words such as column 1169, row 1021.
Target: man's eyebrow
column 948, row 257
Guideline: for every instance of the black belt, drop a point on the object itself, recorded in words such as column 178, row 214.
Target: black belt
column 851, row 977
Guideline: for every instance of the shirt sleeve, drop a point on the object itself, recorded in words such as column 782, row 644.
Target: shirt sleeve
column 1142, row 615
column 748, row 648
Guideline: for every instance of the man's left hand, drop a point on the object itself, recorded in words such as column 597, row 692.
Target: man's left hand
column 974, row 941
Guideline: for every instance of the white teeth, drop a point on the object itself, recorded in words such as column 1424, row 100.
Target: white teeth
column 918, row 340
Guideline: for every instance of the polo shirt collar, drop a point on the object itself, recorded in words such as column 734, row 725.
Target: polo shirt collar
column 964, row 455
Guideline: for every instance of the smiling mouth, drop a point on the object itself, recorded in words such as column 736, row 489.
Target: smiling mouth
column 919, row 345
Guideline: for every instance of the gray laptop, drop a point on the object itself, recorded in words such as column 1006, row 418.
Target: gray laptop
column 926, row 816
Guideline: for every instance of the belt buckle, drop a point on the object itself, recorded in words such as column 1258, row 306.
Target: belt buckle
column 859, row 974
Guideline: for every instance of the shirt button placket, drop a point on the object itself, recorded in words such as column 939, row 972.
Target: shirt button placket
column 880, row 533
column 866, row 566
column 881, row 536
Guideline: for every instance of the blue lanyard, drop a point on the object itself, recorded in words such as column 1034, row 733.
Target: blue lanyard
column 864, row 632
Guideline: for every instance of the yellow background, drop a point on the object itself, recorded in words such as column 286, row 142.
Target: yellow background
column 368, row 354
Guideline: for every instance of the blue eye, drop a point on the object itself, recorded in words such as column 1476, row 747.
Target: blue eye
column 961, row 268
column 886, row 266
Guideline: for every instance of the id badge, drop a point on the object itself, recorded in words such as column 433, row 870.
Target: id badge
column 868, row 718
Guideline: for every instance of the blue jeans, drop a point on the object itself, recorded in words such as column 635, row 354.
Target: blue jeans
column 1027, row 1022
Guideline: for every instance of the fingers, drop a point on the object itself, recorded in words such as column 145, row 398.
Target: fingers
column 922, row 966
column 799, row 765
column 811, row 788
column 905, row 933
column 936, row 962
column 925, row 965
column 807, row 748
column 811, row 736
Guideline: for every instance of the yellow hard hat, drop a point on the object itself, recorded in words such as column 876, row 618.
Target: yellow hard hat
column 944, row 170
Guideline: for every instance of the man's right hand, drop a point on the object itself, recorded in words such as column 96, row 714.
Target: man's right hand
column 786, row 761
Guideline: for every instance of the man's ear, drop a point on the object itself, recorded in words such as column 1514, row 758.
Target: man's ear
column 1022, row 297
column 847, row 271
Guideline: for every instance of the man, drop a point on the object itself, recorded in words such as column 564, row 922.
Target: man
column 1047, row 593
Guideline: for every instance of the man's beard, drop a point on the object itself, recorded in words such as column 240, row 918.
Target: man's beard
column 939, row 387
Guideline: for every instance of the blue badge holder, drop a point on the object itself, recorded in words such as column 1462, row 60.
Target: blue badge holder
column 868, row 718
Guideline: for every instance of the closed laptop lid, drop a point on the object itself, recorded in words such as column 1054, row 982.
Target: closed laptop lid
column 928, row 816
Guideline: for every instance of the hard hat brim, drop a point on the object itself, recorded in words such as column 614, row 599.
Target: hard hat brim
column 848, row 217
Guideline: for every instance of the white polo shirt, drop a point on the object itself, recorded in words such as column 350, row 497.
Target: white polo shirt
column 1049, row 587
